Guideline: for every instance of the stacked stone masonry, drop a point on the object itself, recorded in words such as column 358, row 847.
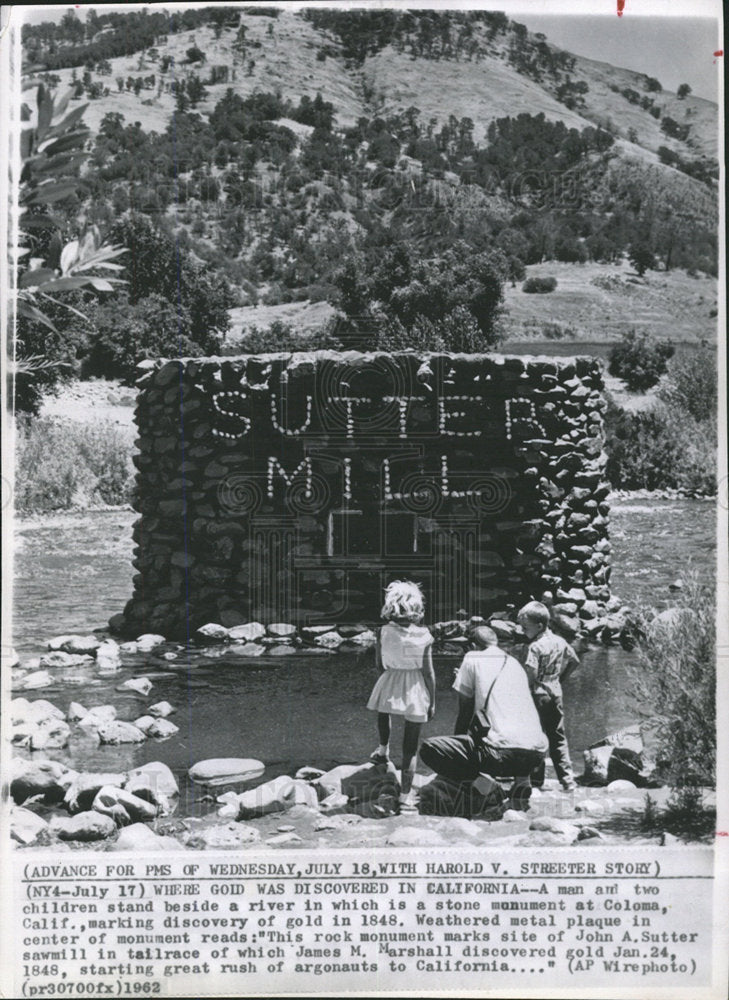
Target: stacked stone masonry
column 294, row 487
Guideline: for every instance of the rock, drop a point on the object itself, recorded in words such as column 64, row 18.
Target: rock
column 593, row 807
column 149, row 641
column 281, row 631
column 161, row 709
column 35, row 680
column 59, row 641
column 84, row 644
column 29, row 778
column 606, row 764
column 308, row 773
column 84, row 826
column 281, row 651
column 350, row 631
column 120, row 732
column 51, row 735
column 335, row 802
column 76, row 711
column 329, row 640
column 505, row 630
column 360, row 782
column 226, row 770
column 621, row 785
column 123, row 806
column 629, row 737
column 566, row 624
column 22, row 733
column 415, row 836
column 676, row 585
column 129, row 647
column 162, row 729
column 140, row 839
column 250, row 649
column 117, row 623
column 41, row 711
column 247, row 633
column 279, row 839
column 142, row 685
column 514, row 816
column 589, row 833
column 144, row 722
column 99, row 715
column 168, row 656
column 212, row 633
column 83, row 788
column 152, row 781
column 310, row 631
column 58, row 660
column 276, row 796
column 567, row 832
column 590, row 610
column 223, row 837
column 108, row 658
column 26, row 826
column 365, row 639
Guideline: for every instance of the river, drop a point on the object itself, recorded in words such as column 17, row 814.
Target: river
column 72, row 572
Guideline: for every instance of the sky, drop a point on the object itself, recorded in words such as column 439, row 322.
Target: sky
column 674, row 49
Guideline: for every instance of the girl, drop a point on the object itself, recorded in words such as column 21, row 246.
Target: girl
column 407, row 683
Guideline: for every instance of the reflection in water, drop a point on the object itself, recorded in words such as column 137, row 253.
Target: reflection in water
column 73, row 574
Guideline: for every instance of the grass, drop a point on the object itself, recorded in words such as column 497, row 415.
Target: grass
column 66, row 465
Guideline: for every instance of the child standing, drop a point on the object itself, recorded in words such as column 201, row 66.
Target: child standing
column 549, row 659
column 407, row 683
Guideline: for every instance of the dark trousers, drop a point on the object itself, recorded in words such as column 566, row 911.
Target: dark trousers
column 461, row 758
column 551, row 716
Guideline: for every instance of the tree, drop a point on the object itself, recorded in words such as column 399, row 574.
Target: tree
column 683, row 91
column 642, row 258
column 640, row 360
column 52, row 152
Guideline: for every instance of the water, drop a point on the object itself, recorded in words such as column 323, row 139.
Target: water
column 73, row 572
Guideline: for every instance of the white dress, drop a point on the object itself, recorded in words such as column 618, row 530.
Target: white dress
column 401, row 689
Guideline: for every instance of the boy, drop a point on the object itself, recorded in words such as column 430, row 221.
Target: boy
column 549, row 660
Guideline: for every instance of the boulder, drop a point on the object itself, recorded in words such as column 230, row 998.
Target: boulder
column 621, row 785
column 84, row 644
column 123, row 806
column 108, row 658
column 308, row 773
column 119, row 732
column 226, row 770
column 76, row 712
column 365, row 638
column 605, row 764
column 21, row 734
column 26, row 826
column 277, row 795
column 247, row 633
column 52, row 735
column 129, row 647
column 83, row 788
column 97, row 716
column 566, row 625
column 505, row 630
column 34, row 681
column 161, row 709
column 335, row 802
column 311, row 631
column 84, row 826
column 440, row 796
column 350, row 631
column 142, row 685
column 147, row 642
column 223, row 837
column 567, row 832
column 629, row 737
column 360, row 782
column 144, row 722
column 249, row 649
column 281, row 631
column 151, row 781
column 212, row 633
column 329, row 640
column 59, row 659
column 41, row 711
column 162, row 729
column 140, row 839
column 29, row 778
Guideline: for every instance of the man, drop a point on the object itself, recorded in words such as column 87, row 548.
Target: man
column 497, row 731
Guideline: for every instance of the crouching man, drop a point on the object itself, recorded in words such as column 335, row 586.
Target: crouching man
column 497, row 732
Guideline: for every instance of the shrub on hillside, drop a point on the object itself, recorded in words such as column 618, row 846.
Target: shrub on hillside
column 539, row 286
column 126, row 333
column 675, row 686
column 281, row 336
column 691, row 383
column 660, row 449
column 457, row 331
column 64, row 464
column 640, row 360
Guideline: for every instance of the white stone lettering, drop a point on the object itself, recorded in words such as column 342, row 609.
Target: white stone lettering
column 303, row 468
column 444, row 414
column 289, row 431
column 218, row 399
column 531, row 417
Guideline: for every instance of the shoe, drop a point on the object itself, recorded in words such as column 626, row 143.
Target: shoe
column 569, row 786
column 379, row 758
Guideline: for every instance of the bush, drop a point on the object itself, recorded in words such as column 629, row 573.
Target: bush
column 281, row 336
column 539, row 286
column 640, row 360
column 675, row 685
column 691, row 383
column 64, row 464
column 660, row 449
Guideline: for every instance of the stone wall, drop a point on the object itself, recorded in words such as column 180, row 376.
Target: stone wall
column 293, row 487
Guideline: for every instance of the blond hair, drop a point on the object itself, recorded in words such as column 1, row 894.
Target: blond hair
column 535, row 612
column 403, row 601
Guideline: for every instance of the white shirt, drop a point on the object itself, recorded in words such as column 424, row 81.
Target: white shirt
column 511, row 712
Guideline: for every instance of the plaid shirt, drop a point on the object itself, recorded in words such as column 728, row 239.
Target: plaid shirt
column 547, row 658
